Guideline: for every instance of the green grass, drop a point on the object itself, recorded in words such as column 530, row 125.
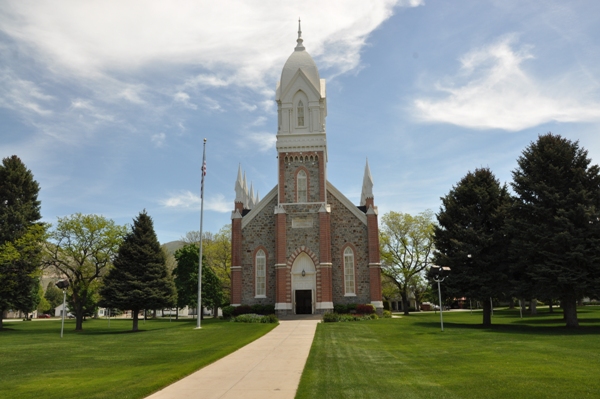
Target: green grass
column 410, row 357
column 103, row 362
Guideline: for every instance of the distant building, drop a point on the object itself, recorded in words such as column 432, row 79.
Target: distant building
column 304, row 247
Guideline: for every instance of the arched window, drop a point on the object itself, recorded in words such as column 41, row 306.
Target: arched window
column 349, row 286
column 300, row 113
column 302, row 186
column 261, row 273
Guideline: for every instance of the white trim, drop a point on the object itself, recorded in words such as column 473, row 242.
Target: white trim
column 236, row 268
column 283, row 306
column 260, row 296
column 349, row 294
column 377, row 304
column 236, row 304
column 259, row 207
column 324, row 305
column 346, row 202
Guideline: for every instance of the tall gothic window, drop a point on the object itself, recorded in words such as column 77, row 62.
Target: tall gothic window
column 261, row 273
column 300, row 112
column 349, row 286
column 302, row 186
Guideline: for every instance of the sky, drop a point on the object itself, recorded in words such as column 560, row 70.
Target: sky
column 108, row 102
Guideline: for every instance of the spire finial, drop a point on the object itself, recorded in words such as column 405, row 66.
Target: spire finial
column 299, row 46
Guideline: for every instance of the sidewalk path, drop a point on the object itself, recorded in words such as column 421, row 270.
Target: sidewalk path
column 269, row 367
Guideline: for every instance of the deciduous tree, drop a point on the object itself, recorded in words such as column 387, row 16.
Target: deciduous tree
column 556, row 222
column 406, row 248
column 186, row 279
column 471, row 240
column 139, row 279
column 81, row 249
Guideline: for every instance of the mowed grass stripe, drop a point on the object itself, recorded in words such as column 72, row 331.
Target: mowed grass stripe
column 103, row 362
column 410, row 358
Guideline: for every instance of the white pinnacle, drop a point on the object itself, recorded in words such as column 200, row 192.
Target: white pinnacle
column 367, row 188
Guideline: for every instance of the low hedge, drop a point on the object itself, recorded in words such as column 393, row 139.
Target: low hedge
column 336, row 317
column 255, row 318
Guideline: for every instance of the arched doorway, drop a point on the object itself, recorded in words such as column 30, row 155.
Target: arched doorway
column 304, row 283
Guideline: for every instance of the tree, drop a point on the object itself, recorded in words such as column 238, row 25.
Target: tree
column 471, row 240
column 81, row 249
column 20, row 237
column 53, row 295
column 186, row 279
column 556, row 222
column 217, row 250
column 139, row 279
column 406, row 248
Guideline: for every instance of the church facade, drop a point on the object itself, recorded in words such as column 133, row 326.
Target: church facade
column 304, row 247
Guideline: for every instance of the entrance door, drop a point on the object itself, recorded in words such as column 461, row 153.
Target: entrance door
column 303, row 301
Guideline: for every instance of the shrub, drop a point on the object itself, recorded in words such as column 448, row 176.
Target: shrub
column 351, row 308
column 365, row 309
column 387, row 314
column 331, row 317
column 242, row 309
column 269, row 309
column 228, row 311
column 340, row 308
column 255, row 318
column 257, row 308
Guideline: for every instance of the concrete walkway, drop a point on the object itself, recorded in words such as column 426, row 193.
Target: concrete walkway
column 269, row 367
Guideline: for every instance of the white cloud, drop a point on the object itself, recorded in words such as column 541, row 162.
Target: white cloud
column 184, row 98
column 20, row 94
column 158, row 139
column 262, row 141
column 238, row 43
column 132, row 93
column 494, row 90
column 186, row 200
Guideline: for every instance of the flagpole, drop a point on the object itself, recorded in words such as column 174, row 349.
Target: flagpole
column 202, row 173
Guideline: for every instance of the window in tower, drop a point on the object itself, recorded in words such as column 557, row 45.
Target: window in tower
column 302, row 186
column 300, row 112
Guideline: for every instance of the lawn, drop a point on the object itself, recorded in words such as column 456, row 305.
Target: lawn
column 409, row 357
column 103, row 362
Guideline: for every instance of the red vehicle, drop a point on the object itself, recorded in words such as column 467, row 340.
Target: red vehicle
column 43, row 316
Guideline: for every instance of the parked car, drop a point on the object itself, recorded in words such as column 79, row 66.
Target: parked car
column 70, row 315
column 43, row 316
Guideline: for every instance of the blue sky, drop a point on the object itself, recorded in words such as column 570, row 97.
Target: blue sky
column 107, row 102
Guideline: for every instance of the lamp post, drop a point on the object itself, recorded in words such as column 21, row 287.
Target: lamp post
column 63, row 284
column 438, row 274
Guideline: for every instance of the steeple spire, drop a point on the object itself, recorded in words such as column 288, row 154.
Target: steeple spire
column 367, row 188
column 299, row 46
column 239, row 186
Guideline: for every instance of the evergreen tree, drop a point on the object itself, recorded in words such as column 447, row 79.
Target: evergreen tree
column 471, row 240
column 186, row 279
column 139, row 279
column 556, row 222
column 20, row 237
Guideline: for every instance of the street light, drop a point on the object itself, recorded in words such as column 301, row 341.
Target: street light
column 63, row 284
column 438, row 274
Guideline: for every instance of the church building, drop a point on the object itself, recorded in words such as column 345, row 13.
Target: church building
column 304, row 247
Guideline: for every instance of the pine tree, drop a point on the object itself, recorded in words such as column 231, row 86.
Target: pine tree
column 471, row 240
column 20, row 237
column 139, row 279
column 556, row 222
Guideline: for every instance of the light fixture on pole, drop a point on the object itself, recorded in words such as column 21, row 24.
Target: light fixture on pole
column 438, row 274
column 63, row 285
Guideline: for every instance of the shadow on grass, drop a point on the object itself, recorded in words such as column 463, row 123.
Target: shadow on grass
column 518, row 328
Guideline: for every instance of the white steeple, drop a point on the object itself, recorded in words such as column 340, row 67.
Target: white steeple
column 239, row 186
column 251, row 197
column 245, row 186
column 367, row 187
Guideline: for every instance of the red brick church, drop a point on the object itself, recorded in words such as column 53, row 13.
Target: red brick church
column 304, row 247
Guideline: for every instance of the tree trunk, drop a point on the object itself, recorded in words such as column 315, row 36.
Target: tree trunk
column 487, row 313
column 511, row 305
column 533, row 306
column 1, row 319
column 78, row 317
column 550, row 307
column 569, row 306
column 405, row 306
column 134, row 313
column 154, row 314
column 523, row 307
